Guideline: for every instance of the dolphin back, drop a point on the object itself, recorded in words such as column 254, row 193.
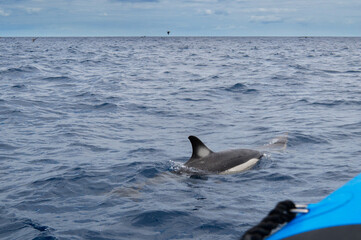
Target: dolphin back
column 217, row 162
column 220, row 162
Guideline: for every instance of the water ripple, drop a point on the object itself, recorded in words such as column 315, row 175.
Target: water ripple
column 240, row 88
column 89, row 126
column 156, row 218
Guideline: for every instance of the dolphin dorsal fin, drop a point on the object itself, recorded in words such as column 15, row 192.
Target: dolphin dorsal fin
column 199, row 148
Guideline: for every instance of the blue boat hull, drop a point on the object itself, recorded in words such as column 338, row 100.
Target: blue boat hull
column 338, row 216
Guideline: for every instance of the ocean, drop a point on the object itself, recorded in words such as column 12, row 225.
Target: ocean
column 91, row 130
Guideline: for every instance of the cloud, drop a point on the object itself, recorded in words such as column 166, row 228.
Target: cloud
column 212, row 12
column 208, row 12
column 275, row 10
column 33, row 10
column 4, row 13
column 221, row 12
column 266, row 19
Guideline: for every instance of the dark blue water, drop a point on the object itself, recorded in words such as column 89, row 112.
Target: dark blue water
column 91, row 128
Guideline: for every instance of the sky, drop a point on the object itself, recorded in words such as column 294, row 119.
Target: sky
column 180, row 17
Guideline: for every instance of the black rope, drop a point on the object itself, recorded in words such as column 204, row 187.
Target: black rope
column 279, row 215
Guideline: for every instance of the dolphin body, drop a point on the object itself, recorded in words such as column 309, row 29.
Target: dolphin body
column 204, row 161
column 224, row 162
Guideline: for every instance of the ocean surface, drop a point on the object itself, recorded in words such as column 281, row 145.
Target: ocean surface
column 91, row 130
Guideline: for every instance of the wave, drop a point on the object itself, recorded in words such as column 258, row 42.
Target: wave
column 279, row 177
column 4, row 146
column 85, row 94
column 330, row 103
column 351, row 126
column 22, row 69
column 58, row 79
column 302, row 138
column 91, row 147
column 45, row 161
column 105, row 106
column 330, row 71
column 240, row 88
column 90, row 62
column 13, row 227
column 71, row 182
column 19, row 86
column 353, row 71
column 188, row 99
column 143, row 151
column 156, row 218
column 85, row 107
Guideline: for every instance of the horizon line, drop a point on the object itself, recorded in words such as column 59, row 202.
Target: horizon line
column 180, row 36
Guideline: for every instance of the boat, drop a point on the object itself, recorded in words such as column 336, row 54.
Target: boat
column 336, row 217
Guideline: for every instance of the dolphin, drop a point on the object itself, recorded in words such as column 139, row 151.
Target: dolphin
column 204, row 161
column 224, row 162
